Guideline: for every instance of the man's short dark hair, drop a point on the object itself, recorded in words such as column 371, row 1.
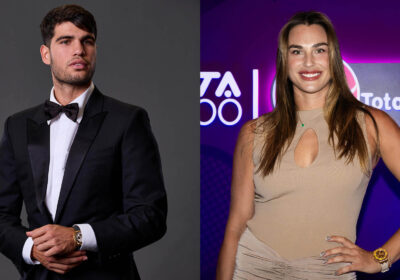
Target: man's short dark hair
column 75, row 14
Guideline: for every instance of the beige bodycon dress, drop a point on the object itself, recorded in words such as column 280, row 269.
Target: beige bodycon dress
column 296, row 208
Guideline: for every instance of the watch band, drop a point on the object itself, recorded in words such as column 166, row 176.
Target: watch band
column 385, row 267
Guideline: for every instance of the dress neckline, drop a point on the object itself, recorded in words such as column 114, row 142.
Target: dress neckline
column 306, row 115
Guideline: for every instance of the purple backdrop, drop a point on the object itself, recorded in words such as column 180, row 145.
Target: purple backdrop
column 238, row 48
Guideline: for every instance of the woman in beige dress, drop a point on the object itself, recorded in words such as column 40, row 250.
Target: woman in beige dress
column 300, row 172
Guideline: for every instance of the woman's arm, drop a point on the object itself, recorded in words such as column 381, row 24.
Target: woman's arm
column 389, row 140
column 242, row 197
column 389, row 148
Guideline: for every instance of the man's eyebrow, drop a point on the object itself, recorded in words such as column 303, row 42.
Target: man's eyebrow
column 63, row 37
column 71, row 37
column 88, row 37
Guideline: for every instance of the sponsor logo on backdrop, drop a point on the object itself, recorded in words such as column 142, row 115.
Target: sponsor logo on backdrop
column 386, row 103
column 227, row 89
column 227, row 93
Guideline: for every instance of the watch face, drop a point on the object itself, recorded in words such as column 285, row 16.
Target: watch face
column 380, row 255
column 79, row 237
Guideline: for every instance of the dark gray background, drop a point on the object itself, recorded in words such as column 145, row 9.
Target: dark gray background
column 148, row 55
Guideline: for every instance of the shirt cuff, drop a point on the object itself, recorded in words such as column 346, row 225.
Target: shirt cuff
column 27, row 250
column 89, row 241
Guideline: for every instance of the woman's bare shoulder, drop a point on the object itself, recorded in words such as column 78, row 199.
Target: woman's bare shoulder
column 382, row 119
column 252, row 127
column 389, row 139
column 384, row 130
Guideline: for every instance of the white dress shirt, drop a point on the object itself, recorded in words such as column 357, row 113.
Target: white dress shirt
column 62, row 134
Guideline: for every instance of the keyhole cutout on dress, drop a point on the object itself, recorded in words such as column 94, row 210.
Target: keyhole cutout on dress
column 307, row 148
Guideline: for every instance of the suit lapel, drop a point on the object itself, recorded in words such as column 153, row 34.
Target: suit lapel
column 38, row 134
column 88, row 128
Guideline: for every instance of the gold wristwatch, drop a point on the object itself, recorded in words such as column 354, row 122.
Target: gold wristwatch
column 381, row 256
column 77, row 237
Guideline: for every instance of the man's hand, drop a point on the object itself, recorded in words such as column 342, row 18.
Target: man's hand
column 61, row 264
column 53, row 240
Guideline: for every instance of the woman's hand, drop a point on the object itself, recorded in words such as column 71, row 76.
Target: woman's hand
column 359, row 259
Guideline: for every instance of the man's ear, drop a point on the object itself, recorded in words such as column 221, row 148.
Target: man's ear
column 45, row 54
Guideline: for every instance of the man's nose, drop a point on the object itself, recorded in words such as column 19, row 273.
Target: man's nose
column 79, row 48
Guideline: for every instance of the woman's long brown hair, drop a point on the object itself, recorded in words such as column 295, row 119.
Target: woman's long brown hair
column 340, row 109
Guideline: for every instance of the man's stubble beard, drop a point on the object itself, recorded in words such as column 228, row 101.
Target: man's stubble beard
column 70, row 79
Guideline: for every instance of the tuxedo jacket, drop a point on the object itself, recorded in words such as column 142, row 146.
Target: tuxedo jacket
column 112, row 181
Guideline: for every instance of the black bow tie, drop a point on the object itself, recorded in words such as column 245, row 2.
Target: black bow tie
column 53, row 109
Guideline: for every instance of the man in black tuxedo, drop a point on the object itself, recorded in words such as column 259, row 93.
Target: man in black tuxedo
column 86, row 166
